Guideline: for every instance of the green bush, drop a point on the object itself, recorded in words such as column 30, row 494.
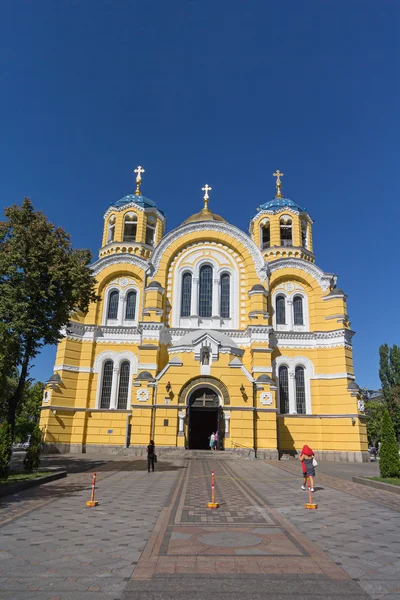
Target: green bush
column 389, row 461
column 32, row 457
column 5, row 449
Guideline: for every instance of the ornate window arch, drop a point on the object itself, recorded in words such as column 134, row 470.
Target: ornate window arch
column 113, row 305
column 130, row 305
column 286, row 226
column 298, row 310
column 192, row 260
column 114, row 388
column 300, row 371
column 295, row 308
column 186, row 294
column 265, row 234
column 130, row 227
column 280, row 309
column 206, row 276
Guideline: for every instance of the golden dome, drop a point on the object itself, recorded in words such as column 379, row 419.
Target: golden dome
column 204, row 215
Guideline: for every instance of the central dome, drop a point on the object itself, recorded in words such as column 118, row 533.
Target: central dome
column 204, row 215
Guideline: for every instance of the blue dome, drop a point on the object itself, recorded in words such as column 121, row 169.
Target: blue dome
column 137, row 199
column 278, row 203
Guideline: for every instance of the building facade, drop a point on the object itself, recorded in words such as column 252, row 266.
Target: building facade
column 207, row 328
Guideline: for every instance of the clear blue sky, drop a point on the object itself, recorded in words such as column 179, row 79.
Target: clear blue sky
column 219, row 92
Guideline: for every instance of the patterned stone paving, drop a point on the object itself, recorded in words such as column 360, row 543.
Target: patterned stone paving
column 153, row 538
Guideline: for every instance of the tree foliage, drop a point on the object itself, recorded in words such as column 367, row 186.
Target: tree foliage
column 5, row 449
column 389, row 461
column 389, row 373
column 42, row 280
column 28, row 412
column 32, row 457
column 374, row 410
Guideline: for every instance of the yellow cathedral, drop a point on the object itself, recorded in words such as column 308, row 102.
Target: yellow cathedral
column 207, row 329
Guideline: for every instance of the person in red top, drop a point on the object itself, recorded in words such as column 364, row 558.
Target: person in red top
column 306, row 458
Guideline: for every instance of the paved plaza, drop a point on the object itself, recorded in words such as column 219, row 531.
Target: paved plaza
column 153, row 538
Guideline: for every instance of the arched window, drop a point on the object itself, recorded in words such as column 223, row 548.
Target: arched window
column 186, row 296
column 286, row 231
column 304, row 236
column 298, row 317
column 284, row 389
column 106, row 384
column 130, row 309
column 205, row 291
column 225, row 307
column 265, row 235
column 300, row 391
column 280, row 310
column 123, row 389
column 111, row 230
column 150, row 231
column 113, row 301
column 130, row 227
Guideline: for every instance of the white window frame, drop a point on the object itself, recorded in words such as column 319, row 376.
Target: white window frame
column 130, row 214
column 111, row 226
column 123, row 292
column 291, row 364
column 282, row 224
column 263, row 223
column 194, row 321
column 152, row 226
column 118, row 358
column 289, row 312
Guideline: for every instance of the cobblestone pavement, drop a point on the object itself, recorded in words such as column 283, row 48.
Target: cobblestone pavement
column 152, row 536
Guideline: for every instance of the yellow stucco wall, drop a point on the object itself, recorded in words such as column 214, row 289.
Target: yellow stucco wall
column 155, row 403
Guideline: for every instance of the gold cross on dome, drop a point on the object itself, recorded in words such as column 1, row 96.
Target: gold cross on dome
column 206, row 189
column 139, row 172
column 278, row 176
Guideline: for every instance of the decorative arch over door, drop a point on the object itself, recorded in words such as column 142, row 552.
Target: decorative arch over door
column 209, row 382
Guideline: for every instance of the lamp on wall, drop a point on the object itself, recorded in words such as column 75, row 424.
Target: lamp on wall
column 168, row 387
column 242, row 389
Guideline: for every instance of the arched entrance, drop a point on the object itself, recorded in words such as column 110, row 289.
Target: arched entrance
column 205, row 416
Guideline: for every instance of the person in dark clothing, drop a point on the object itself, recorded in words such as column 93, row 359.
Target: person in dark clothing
column 151, row 454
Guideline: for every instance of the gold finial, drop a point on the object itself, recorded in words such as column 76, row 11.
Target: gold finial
column 139, row 172
column 206, row 189
column 278, row 176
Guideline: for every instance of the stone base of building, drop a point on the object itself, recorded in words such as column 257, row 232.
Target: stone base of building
column 331, row 455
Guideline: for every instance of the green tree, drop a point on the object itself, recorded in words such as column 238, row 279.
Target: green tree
column 28, row 413
column 32, row 457
column 389, row 373
column 374, row 410
column 42, row 280
column 5, row 449
column 389, row 461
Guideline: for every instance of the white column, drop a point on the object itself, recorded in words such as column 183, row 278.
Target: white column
column 121, row 308
column 181, row 416
column 289, row 313
column 215, row 298
column 227, row 417
column 292, row 392
column 114, row 387
column 194, row 303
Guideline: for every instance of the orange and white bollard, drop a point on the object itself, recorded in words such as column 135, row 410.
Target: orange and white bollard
column 92, row 501
column 310, row 504
column 212, row 504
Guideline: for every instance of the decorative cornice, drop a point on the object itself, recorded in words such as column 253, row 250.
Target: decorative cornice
column 225, row 228
column 325, row 280
column 73, row 368
column 113, row 209
column 334, row 376
column 312, row 340
column 119, row 259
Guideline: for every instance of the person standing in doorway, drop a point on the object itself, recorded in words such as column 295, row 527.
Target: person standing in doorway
column 151, row 455
column 307, row 457
column 212, row 441
column 216, row 441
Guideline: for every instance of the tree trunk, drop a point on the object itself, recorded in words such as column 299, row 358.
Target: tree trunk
column 17, row 396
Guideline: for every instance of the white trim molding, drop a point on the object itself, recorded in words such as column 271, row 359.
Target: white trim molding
column 334, row 376
column 148, row 209
column 325, row 280
column 118, row 358
column 290, row 291
column 73, row 369
column 312, row 340
column 291, row 364
column 120, row 260
column 217, row 226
